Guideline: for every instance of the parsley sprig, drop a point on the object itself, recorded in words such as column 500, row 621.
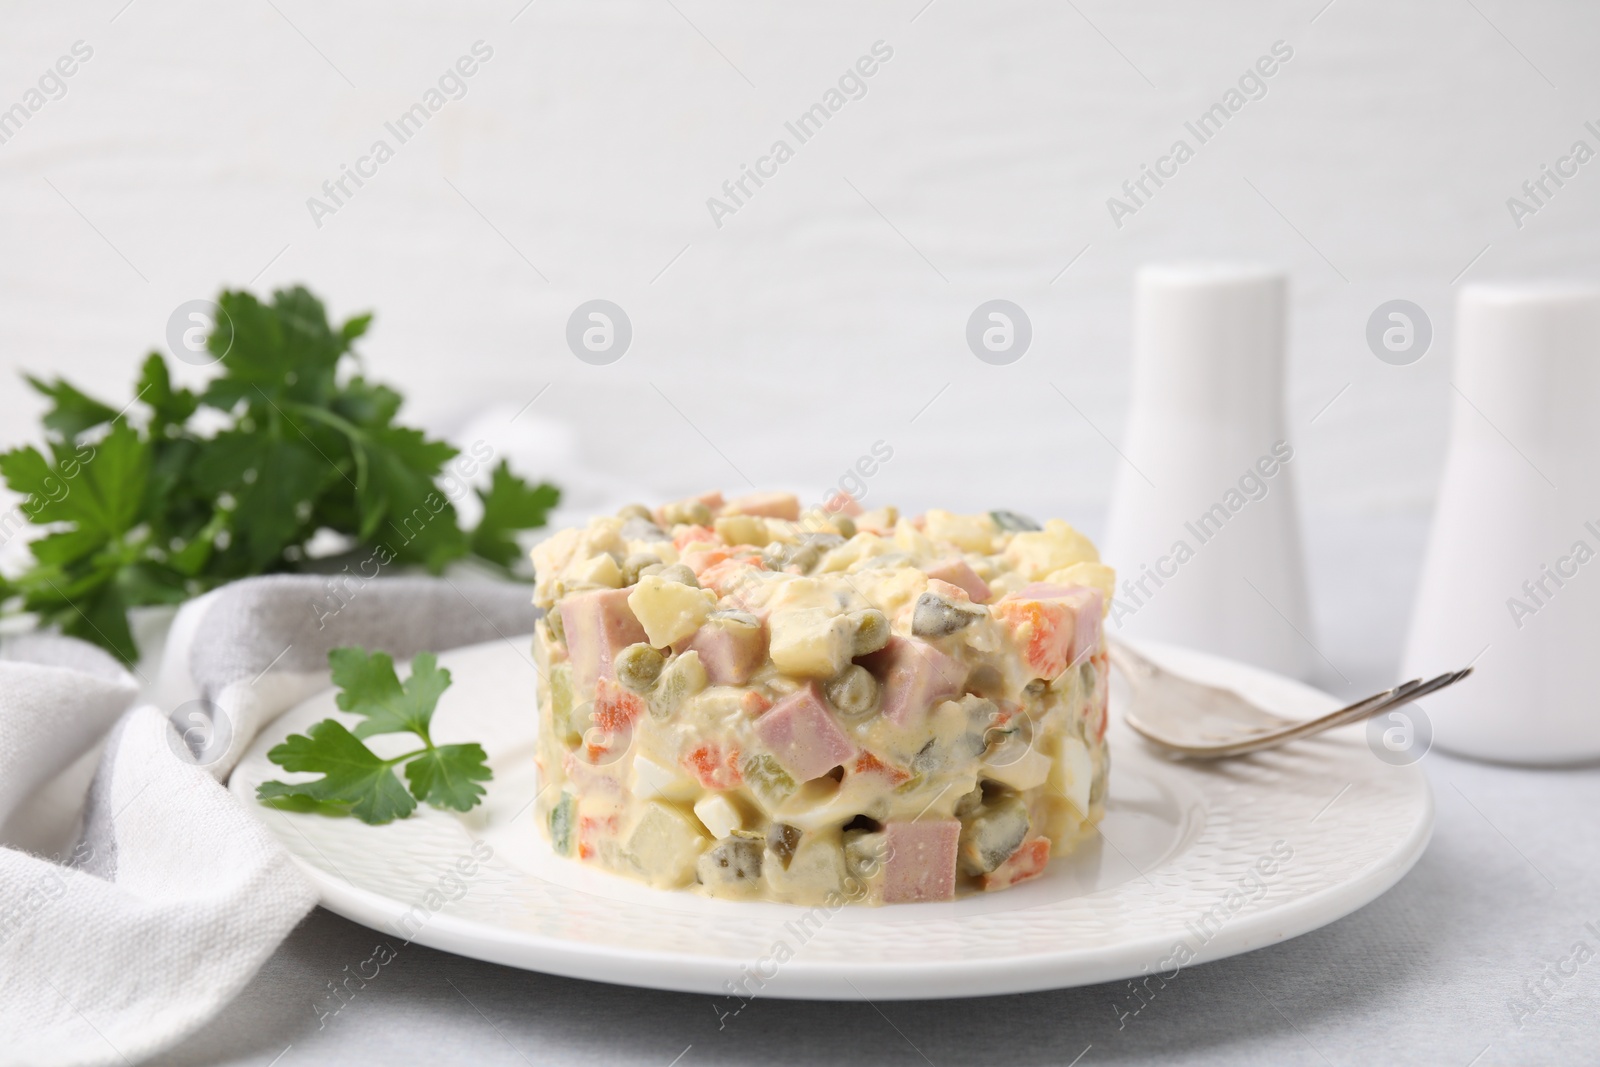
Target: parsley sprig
column 154, row 502
column 355, row 780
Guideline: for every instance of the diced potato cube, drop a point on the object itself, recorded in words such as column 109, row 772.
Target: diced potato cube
column 601, row 570
column 970, row 533
column 718, row 815
column 743, row 530
column 1038, row 553
column 810, row 642
column 1027, row 771
column 669, row 611
column 1090, row 575
column 665, row 844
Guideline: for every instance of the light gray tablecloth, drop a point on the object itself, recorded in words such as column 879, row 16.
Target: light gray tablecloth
column 1438, row 970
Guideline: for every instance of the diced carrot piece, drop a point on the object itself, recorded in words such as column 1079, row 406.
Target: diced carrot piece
column 713, row 768
column 867, row 763
column 1027, row 862
column 693, row 533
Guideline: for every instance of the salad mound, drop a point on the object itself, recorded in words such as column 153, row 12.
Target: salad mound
column 756, row 702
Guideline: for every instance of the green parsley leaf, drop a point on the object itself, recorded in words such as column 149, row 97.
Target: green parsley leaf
column 351, row 774
column 156, row 502
column 369, row 688
column 448, row 776
column 442, row 776
column 73, row 412
column 511, row 504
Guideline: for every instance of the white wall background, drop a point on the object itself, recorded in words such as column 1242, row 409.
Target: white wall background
column 809, row 325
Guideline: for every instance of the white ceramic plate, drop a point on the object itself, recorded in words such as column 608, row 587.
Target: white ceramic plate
column 1194, row 863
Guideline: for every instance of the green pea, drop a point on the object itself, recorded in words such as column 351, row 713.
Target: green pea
column 679, row 572
column 870, row 630
column 854, row 692
column 687, row 513
column 638, row 666
column 634, row 564
column 635, row 511
column 845, row 525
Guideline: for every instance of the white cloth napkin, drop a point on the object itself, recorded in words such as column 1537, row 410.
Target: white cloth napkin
column 173, row 894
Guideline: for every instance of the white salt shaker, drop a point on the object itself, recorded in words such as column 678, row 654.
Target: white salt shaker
column 1511, row 580
column 1204, row 530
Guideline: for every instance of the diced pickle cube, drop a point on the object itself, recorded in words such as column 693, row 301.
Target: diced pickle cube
column 563, row 723
column 989, row 837
column 563, row 817
column 731, row 862
column 679, row 680
column 782, row 839
column 936, row 617
column 865, row 852
column 1010, row 520
column 664, row 845
column 768, row 780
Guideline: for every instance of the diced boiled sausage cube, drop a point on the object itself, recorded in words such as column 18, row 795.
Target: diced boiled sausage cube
column 914, row 676
column 767, row 505
column 957, row 572
column 921, row 860
column 598, row 625
column 803, row 736
column 1056, row 626
column 730, row 650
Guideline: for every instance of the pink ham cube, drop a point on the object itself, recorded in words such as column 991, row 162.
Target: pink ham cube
column 729, row 652
column 959, row 574
column 766, row 505
column 1056, row 626
column 803, row 736
column 915, row 676
column 598, row 626
column 921, row 860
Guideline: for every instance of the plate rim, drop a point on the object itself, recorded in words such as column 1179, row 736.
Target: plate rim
column 802, row 979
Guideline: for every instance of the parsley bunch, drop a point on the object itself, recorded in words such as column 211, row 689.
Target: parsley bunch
column 144, row 508
column 354, row 780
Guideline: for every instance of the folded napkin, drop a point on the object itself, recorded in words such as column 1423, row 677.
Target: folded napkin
column 173, row 895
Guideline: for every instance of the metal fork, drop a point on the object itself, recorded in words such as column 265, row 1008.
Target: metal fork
column 1198, row 721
